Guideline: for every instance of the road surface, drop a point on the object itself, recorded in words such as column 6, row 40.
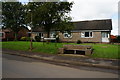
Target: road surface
column 22, row 67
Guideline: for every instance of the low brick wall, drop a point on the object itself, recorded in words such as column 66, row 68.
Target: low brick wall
column 87, row 49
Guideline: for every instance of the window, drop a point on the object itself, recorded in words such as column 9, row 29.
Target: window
column 105, row 35
column 40, row 34
column 1, row 34
column 67, row 35
column 86, row 34
column 52, row 34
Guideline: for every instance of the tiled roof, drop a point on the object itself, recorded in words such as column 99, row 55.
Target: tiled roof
column 93, row 25
column 87, row 25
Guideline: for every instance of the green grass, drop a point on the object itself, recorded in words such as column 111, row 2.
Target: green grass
column 100, row 50
column 105, row 51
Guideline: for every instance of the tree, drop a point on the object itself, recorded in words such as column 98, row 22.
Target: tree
column 13, row 16
column 30, row 9
column 50, row 15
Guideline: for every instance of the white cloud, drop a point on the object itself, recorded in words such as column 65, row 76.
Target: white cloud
column 24, row 1
column 115, row 27
column 96, row 9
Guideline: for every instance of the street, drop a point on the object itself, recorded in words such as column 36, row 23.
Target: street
column 22, row 67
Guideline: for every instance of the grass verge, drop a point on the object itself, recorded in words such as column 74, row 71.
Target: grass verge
column 100, row 50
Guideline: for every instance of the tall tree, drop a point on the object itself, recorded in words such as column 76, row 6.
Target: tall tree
column 51, row 15
column 13, row 16
column 30, row 10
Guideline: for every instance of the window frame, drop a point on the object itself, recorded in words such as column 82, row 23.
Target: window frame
column 105, row 35
column 40, row 34
column 83, row 34
column 52, row 34
column 3, row 35
column 67, row 34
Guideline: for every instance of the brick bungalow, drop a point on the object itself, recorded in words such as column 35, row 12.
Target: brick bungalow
column 85, row 31
column 8, row 34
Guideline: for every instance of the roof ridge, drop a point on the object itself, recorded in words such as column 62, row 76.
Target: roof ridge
column 92, row 20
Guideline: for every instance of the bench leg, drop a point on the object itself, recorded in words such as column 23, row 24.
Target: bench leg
column 88, row 52
column 74, row 51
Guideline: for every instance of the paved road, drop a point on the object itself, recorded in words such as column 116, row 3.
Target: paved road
column 0, row 64
column 21, row 67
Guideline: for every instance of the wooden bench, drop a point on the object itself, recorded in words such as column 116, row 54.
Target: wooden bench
column 76, row 49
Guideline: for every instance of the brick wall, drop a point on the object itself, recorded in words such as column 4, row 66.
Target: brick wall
column 77, row 36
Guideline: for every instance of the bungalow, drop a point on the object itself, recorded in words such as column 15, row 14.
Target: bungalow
column 85, row 31
column 8, row 34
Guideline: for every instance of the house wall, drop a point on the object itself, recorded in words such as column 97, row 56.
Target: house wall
column 36, row 34
column 97, row 37
column 77, row 36
column 33, row 35
column 9, row 34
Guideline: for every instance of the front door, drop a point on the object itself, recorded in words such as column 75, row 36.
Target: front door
column 105, row 37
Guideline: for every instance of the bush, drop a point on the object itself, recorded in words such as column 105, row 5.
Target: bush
column 79, row 41
column 118, row 39
column 37, row 38
column 25, row 38
column 57, row 39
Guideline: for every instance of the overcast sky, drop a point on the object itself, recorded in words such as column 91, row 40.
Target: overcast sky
column 95, row 9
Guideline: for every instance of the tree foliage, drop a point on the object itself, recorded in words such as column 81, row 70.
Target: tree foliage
column 50, row 15
column 47, row 15
column 13, row 16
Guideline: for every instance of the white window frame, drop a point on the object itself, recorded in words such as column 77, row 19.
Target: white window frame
column 83, row 34
column 3, row 35
column 105, row 35
column 52, row 34
column 67, row 34
column 42, row 36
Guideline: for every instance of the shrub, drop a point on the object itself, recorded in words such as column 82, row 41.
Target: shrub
column 118, row 38
column 25, row 39
column 37, row 38
column 79, row 41
column 57, row 39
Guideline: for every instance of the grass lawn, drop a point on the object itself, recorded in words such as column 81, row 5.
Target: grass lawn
column 100, row 50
